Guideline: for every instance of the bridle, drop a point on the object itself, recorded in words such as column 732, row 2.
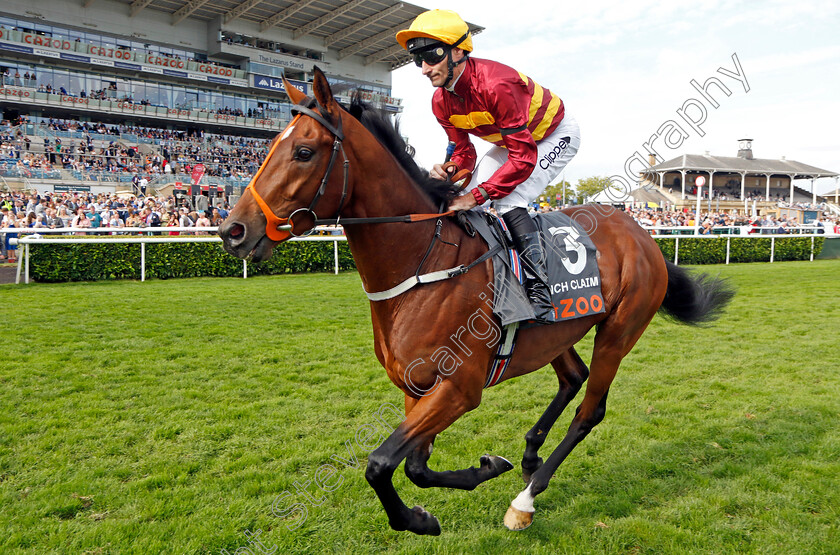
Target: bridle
column 279, row 229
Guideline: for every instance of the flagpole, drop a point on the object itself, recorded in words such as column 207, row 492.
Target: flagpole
column 563, row 185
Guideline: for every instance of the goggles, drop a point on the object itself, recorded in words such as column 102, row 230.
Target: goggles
column 433, row 56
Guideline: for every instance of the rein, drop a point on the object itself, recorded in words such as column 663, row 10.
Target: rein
column 279, row 229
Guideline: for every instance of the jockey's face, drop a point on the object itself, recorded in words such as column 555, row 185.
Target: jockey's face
column 438, row 72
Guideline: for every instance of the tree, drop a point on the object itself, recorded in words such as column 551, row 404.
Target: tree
column 563, row 189
column 591, row 186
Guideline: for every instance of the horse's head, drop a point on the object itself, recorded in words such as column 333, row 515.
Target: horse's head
column 300, row 175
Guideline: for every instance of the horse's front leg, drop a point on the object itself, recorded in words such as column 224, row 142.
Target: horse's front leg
column 428, row 417
column 418, row 471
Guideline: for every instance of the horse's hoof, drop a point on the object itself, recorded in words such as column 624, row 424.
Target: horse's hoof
column 424, row 523
column 517, row 520
column 498, row 465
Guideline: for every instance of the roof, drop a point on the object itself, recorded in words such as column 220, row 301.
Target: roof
column 360, row 27
column 738, row 165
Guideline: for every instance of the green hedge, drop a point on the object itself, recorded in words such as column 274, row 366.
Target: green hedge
column 713, row 251
column 79, row 262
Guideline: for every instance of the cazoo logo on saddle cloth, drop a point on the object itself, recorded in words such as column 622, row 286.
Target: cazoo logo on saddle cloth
column 572, row 267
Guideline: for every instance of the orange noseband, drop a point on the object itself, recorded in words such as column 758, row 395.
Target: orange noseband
column 273, row 222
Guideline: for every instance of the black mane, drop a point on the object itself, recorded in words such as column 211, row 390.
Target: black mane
column 388, row 135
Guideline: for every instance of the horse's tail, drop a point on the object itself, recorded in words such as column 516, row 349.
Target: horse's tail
column 694, row 299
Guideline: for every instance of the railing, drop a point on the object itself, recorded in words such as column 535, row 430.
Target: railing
column 33, row 97
column 105, row 237
column 82, row 176
column 150, row 61
column 729, row 230
column 801, row 231
column 833, row 207
column 27, row 186
column 108, row 235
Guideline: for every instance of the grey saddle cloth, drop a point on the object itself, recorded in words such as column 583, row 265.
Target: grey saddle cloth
column 571, row 263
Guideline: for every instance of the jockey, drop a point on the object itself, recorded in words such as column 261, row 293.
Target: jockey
column 533, row 136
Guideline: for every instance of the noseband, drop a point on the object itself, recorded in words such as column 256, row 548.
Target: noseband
column 278, row 229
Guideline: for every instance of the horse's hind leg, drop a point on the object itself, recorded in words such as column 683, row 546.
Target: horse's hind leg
column 590, row 412
column 418, row 471
column 571, row 373
column 613, row 341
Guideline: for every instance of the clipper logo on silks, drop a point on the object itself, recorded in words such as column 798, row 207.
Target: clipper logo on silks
column 548, row 159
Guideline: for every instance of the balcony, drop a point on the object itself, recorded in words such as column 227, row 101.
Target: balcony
column 32, row 97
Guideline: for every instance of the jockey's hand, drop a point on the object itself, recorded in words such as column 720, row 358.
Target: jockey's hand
column 438, row 172
column 464, row 202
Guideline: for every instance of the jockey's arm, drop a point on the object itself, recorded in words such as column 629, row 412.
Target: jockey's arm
column 520, row 164
column 511, row 112
column 464, row 154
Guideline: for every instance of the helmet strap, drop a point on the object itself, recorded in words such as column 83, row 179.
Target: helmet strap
column 450, row 65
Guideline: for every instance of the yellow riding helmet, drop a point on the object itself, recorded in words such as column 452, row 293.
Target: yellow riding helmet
column 443, row 25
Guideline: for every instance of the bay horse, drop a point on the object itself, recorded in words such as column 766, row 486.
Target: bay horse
column 352, row 165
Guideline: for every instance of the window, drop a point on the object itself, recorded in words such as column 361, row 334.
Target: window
column 62, row 79
column 77, row 83
column 192, row 100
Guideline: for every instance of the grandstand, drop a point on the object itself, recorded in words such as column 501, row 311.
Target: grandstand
column 97, row 94
column 738, row 184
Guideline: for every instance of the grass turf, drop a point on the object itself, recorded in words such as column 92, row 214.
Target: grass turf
column 169, row 416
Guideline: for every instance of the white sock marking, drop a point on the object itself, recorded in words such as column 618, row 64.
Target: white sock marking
column 524, row 501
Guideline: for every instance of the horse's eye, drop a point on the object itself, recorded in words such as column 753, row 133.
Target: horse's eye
column 303, row 154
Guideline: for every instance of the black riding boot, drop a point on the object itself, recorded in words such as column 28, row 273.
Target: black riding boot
column 526, row 239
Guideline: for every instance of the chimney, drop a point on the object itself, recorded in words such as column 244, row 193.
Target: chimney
column 745, row 149
column 651, row 159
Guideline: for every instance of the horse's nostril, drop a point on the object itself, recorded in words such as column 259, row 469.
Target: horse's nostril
column 236, row 231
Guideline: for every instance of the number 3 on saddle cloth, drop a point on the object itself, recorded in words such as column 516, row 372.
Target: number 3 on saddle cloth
column 571, row 265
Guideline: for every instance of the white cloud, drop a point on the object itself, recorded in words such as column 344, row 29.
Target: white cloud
column 786, row 63
column 624, row 68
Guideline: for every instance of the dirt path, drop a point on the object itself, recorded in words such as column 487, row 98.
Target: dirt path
column 7, row 273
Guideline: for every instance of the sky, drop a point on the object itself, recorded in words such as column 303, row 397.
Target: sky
column 624, row 69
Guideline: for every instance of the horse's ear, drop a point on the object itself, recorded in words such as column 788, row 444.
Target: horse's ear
column 323, row 93
column 295, row 94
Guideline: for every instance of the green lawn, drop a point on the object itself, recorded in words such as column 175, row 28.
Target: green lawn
column 168, row 417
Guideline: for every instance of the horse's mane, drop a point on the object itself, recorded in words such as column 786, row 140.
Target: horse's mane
column 388, row 135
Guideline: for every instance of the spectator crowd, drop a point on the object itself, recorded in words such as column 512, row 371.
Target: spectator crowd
column 660, row 222
column 103, row 214
column 87, row 152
